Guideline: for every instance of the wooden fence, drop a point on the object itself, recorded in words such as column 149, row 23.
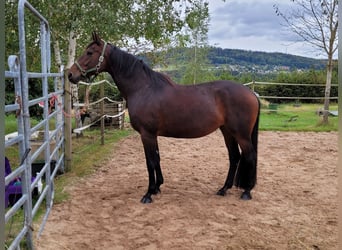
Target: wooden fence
column 255, row 84
column 104, row 112
column 273, row 107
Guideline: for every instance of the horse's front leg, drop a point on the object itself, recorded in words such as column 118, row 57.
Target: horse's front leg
column 155, row 177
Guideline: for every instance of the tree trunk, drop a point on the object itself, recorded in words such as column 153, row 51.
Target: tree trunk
column 71, row 49
column 67, row 102
column 327, row 90
column 74, row 87
column 57, row 52
column 58, row 59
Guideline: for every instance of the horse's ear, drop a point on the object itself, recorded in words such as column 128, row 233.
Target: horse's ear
column 96, row 38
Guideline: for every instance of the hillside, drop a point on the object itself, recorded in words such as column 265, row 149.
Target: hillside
column 219, row 56
column 245, row 61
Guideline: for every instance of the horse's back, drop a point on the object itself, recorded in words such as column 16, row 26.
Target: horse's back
column 231, row 94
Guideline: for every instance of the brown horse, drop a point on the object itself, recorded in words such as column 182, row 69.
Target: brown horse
column 159, row 107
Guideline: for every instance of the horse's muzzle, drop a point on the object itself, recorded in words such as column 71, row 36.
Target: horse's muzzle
column 72, row 78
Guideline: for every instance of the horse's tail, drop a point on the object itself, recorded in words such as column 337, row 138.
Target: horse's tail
column 255, row 145
column 247, row 177
column 255, row 134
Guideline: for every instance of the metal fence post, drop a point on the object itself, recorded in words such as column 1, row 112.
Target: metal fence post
column 67, row 123
column 26, row 179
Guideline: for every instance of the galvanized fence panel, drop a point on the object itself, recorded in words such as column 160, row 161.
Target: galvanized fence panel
column 49, row 148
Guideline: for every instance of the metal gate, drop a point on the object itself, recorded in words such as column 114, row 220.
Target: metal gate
column 32, row 203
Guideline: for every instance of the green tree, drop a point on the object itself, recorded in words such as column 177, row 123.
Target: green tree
column 196, row 69
column 133, row 24
column 316, row 22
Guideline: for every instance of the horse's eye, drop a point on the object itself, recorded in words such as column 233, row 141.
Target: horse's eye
column 89, row 53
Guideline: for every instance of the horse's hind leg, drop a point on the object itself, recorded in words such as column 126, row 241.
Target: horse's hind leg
column 246, row 172
column 155, row 177
column 234, row 158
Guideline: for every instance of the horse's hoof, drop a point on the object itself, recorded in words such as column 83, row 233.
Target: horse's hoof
column 221, row 192
column 146, row 199
column 246, row 195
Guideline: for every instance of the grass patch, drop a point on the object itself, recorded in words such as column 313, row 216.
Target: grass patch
column 288, row 117
column 10, row 124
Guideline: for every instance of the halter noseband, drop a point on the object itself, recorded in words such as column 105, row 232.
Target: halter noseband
column 96, row 68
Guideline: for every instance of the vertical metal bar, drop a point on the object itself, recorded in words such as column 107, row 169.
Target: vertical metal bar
column 61, row 117
column 48, row 48
column 67, row 125
column 26, row 179
column 56, row 106
column 44, row 69
column 60, row 107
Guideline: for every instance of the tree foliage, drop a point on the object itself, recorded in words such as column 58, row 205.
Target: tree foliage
column 136, row 25
column 196, row 69
column 315, row 21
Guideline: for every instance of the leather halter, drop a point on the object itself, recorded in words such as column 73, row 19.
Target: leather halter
column 96, row 68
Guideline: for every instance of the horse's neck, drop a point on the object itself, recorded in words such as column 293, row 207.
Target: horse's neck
column 128, row 86
column 128, row 73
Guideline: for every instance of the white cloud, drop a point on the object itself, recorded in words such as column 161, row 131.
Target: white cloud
column 253, row 25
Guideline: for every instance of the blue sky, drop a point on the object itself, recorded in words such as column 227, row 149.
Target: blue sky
column 254, row 25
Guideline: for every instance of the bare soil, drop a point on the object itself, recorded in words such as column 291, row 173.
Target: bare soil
column 294, row 204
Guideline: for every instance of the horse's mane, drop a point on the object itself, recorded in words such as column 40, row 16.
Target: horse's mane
column 128, row 64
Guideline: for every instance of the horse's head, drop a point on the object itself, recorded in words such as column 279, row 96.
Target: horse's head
column 91, row 62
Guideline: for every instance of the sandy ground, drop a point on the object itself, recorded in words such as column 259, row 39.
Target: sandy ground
column 294, row 204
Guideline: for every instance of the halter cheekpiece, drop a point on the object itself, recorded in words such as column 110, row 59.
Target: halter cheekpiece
column 96, row 68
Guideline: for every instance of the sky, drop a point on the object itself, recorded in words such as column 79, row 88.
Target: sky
column 253, row 25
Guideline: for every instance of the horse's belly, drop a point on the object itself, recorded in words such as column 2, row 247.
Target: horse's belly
column 192, row 125
column 186, row 133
